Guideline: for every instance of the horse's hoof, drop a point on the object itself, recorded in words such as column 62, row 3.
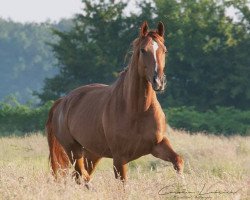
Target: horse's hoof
column 87, row 185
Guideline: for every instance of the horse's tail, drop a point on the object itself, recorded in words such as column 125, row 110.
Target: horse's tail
column 57, row 156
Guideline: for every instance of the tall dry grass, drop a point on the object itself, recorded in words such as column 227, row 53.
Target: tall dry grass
column 215, row 168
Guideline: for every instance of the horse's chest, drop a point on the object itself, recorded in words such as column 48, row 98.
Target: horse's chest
column 137, row 137
column 149, row 131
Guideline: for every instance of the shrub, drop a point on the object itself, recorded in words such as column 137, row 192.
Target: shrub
column 19, row 119
column 221, row 120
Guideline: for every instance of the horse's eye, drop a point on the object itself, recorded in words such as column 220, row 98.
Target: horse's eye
column 143, row 50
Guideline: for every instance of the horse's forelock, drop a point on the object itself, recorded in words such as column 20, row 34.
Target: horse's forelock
column 153, row 34
column 156, row 36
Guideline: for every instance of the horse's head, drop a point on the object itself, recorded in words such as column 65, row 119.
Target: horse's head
column 152, row 56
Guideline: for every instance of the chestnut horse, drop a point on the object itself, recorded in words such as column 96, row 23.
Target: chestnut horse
column 123, row 121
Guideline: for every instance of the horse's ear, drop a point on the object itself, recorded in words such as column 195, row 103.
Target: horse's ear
column 144, row 29
column 160, row 29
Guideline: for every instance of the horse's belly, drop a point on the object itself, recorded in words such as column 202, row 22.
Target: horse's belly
column 90, row 135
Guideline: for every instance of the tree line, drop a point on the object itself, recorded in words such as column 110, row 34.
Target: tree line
column 26, row 58
column 208, row 62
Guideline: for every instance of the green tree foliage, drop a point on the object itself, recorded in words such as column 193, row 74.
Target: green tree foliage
column 208, row 57
column 25, row 58
column 208, row 62
column 94, row 50
column 221, row 120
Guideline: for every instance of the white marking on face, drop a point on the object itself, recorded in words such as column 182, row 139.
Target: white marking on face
column 155, row 47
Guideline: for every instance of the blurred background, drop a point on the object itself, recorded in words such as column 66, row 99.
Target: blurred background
column 48, row 48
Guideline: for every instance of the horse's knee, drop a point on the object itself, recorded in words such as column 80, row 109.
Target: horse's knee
column 164, row 151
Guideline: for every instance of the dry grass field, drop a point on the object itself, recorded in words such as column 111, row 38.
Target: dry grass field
column 215, row 168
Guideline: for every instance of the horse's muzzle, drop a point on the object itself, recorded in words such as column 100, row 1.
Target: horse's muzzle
column 159, row 83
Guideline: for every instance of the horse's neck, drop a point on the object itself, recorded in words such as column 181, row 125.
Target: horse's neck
column 137, row 92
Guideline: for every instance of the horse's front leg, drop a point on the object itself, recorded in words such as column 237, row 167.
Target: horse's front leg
column 120, row 169
column 164, row 151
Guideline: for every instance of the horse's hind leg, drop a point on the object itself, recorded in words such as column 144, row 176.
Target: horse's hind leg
column 75, row 153
column 164, row 151
column 90, row 161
